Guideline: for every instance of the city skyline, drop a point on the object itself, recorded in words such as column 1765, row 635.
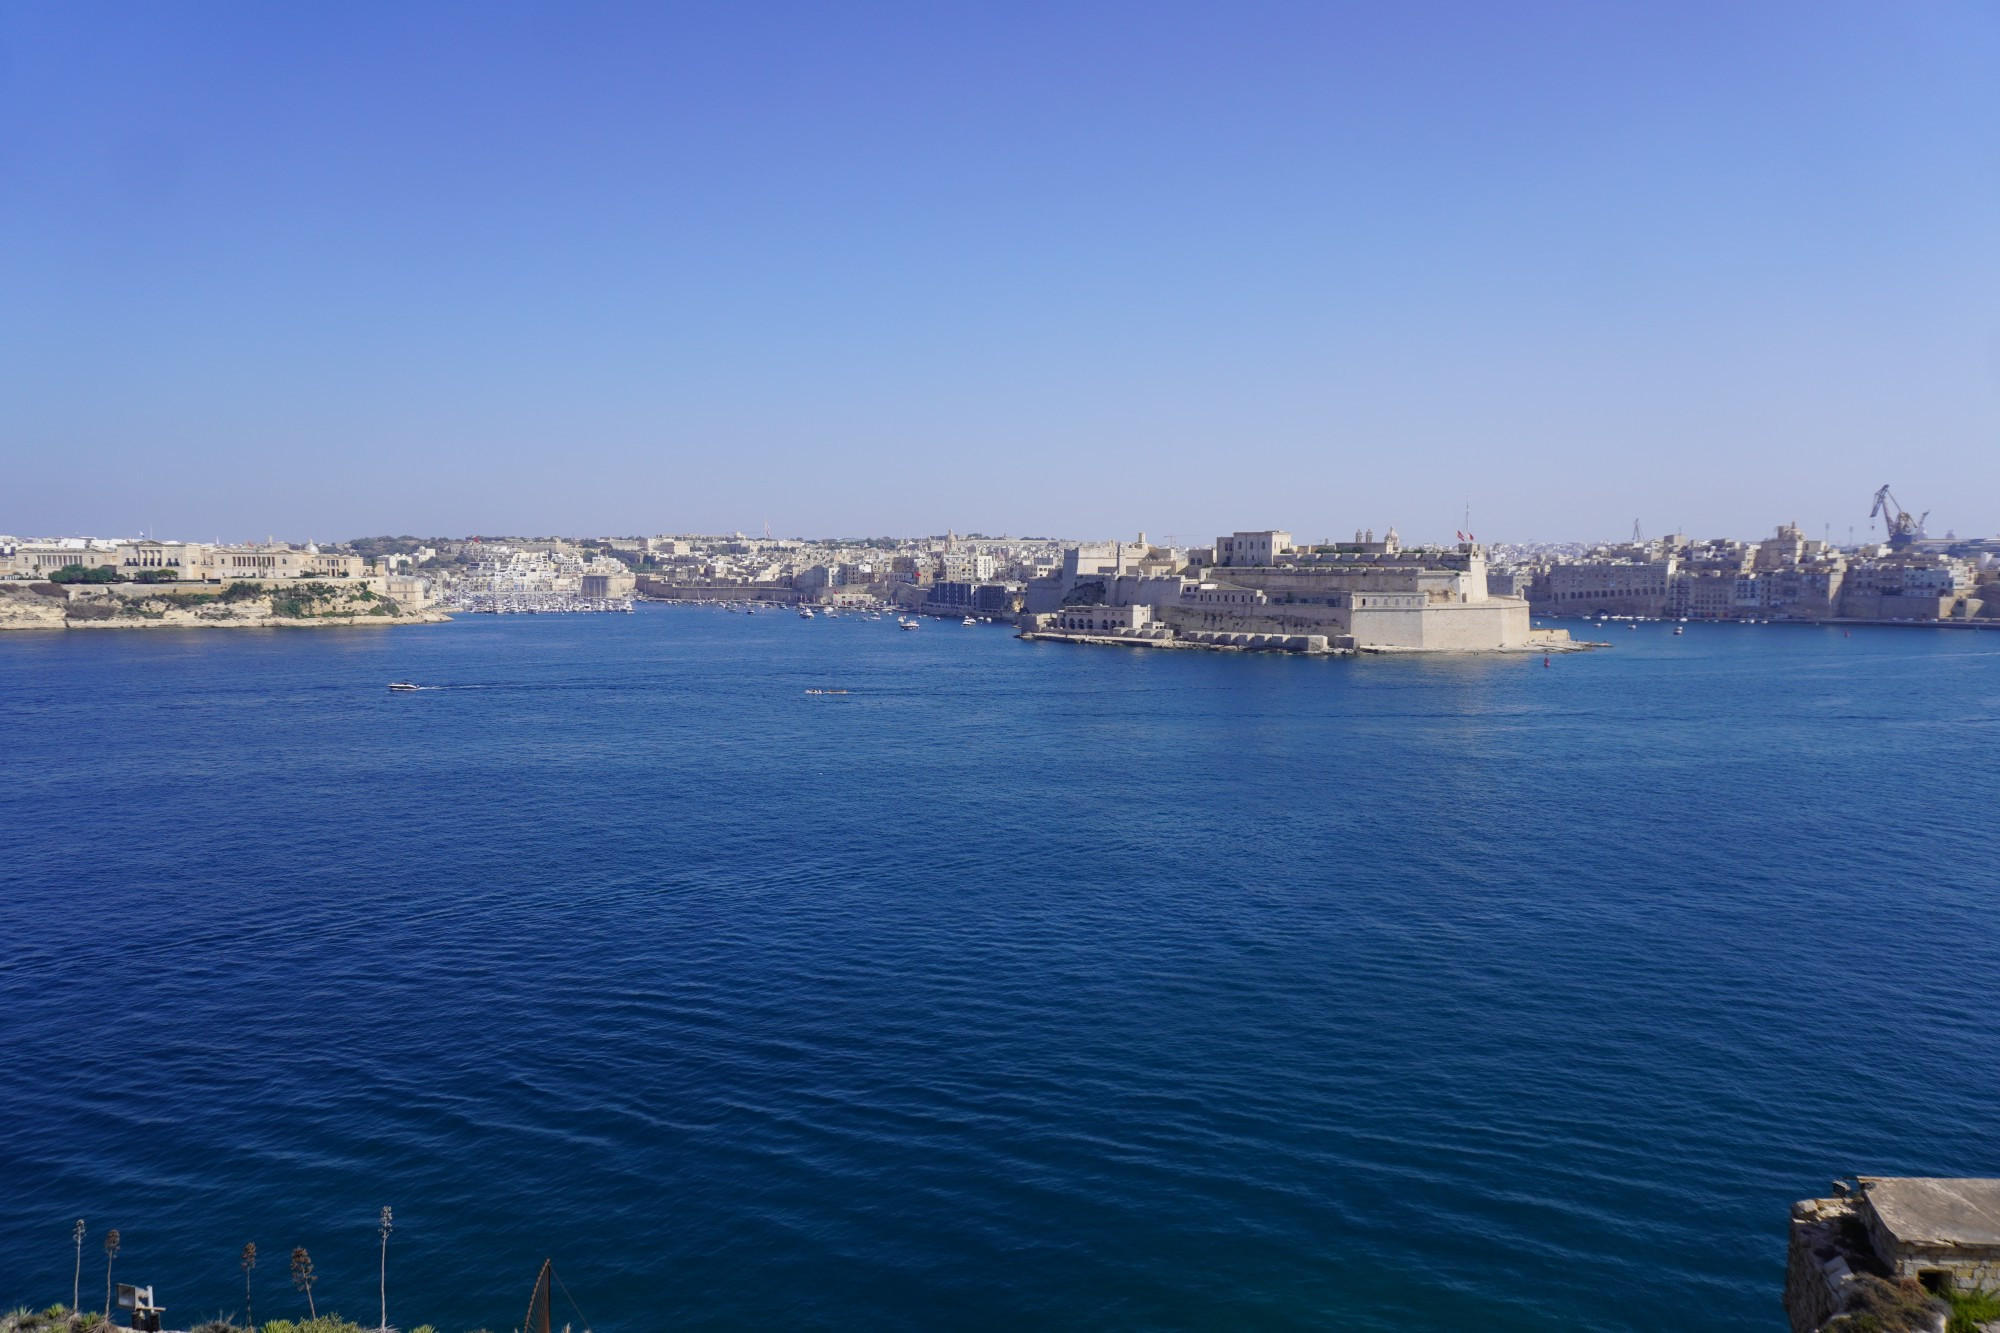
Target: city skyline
column 467, row 270
column 1864, row 532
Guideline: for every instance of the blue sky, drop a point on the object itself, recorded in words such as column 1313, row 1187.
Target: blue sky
column 324, row 270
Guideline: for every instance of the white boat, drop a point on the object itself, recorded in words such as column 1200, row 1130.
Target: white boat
column 968, row 621
column 1679, row 629
column 403, row 685
column 907, row 624
column 805, row 613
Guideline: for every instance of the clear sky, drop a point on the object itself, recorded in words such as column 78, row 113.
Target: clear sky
column 322, row 270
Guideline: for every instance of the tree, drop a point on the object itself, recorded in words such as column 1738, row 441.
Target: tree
column 303, row 1277
column 249, row 1262
column 76, row 1284
column 387, row 1224
column 84, row 574
column 111, row 1243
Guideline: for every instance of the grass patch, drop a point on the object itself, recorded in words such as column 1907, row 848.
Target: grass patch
column 1970, row 1309
column 186, row 601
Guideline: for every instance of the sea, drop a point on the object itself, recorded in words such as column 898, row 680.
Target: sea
column 1015, row 986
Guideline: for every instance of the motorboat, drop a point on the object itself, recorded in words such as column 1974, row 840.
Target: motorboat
column 805, row 613
column 907, row 624
column 968, row 621
column 403, row 685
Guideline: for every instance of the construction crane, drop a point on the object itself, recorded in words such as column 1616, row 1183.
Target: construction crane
column 1902, row 526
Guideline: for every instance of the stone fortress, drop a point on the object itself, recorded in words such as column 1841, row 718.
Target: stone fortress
column 1260, row 589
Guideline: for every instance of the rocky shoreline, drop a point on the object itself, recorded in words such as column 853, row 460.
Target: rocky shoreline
column 48, row 606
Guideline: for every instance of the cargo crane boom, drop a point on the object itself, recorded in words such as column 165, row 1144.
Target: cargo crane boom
column 1902, row 526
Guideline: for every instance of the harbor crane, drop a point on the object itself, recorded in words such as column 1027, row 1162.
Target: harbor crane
column 1902, row 526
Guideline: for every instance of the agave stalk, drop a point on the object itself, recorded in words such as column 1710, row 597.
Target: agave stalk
column 76, row 1283
column 111, row 1243
column 387, row 1224
column 303, row 1277
column 249, row 1262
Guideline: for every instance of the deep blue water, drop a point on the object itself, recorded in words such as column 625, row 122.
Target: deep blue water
column 1027, row 986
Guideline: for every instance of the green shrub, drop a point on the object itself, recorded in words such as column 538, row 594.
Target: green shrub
column 157, row 576
column 304, row 600
column 1971, row 1310
column 85, row 574
column 326, row 1323
column 184, row 600
column 55, row 1319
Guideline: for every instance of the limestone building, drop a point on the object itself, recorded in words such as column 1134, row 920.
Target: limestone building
column 1364, row 594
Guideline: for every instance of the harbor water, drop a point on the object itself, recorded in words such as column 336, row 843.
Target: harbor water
column 1022, row 985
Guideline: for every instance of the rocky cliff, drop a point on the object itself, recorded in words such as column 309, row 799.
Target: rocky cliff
column 238, row 606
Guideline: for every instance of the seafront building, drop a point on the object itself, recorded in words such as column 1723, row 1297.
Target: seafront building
column 1261, row 589
column 944, row 576
column 1787, row 576
column 144, row 562
column 1257, row 584
column 506, row 578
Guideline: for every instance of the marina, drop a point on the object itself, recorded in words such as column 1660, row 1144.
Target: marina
column 533, row 603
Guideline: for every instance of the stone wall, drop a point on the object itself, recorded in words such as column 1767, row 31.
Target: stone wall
column 1819, row 1263
column 1444, row 626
